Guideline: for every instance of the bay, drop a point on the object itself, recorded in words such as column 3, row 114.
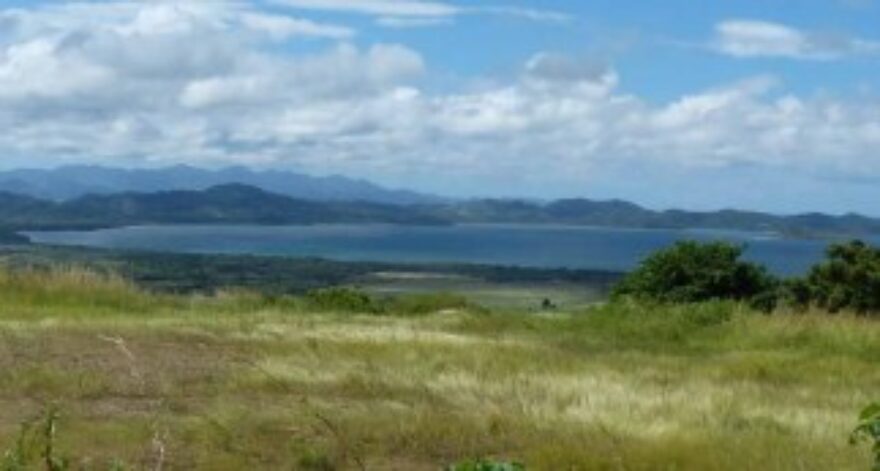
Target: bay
column 575, row 247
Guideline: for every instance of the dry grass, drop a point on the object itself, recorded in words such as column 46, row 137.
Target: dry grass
column 239, row 382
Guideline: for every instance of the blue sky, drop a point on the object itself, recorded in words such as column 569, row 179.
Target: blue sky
column 755, row 104
column 650, row 43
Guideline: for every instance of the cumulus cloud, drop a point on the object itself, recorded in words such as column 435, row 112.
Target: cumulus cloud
column 753, row 38
column 150, row 82
column 133, row 80
column 342, row 72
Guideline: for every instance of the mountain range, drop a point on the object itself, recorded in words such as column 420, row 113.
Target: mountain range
column 231, row 203
column 92, row 197
column 69, row 182
column 623, row 214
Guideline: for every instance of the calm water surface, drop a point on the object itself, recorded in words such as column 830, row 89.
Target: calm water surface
column 531, row 246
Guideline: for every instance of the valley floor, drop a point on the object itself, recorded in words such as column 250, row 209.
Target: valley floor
column 242, row 382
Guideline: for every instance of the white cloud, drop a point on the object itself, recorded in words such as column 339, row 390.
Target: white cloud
column 160, row 17
column 283, row 27
column 416, row 13
column 339, row 73
column 152, row 82
column 31, row 70
column 395, row 8
column 533, row 14
column 403, row 22
column 753, row 38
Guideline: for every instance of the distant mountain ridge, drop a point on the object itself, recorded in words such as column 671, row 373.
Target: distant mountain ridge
column 224, row 204
column 338, row 200
column 69, row 182
column 623, row 214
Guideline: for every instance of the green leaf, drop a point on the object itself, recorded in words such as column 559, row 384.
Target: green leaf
column 870, row 412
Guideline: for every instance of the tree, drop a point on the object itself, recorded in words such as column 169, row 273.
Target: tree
column 848, row 279
column 690, row 272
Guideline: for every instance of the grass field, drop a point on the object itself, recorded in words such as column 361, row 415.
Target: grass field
column 239, row 381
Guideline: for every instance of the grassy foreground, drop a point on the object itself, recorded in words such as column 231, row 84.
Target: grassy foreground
column 239, row 381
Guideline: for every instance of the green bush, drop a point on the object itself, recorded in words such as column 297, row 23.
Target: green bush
column 692, row 272
column 848, row 280
column 797, row 293
column 342, row 299
column 869, row 430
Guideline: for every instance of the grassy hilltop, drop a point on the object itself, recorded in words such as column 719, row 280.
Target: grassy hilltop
column 242, row 381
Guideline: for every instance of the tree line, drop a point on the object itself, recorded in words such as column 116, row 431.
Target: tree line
column 848, row 279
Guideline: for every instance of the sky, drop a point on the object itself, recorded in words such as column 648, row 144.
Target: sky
column 770, row 105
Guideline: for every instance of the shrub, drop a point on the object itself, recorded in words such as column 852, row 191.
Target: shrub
column 342, row 299
column 848, row 279
column 691, row 272
column 315, row 460
column 484, row 465
column 428, row 303
column 869, row 430
column 797, row 293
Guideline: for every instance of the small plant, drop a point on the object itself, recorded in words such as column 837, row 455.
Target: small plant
column 868, row 430
column 36, row 445
column 486, row 465
column 118, row 465
column 16, row 458
column 50, row 457
column 316, row 460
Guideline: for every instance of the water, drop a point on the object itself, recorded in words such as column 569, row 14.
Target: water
column 530, row 246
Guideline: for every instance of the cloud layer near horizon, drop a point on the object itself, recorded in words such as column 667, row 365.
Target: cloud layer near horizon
column 207, row 83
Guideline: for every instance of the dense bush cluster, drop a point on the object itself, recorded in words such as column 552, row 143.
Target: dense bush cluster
column 692, row 272
column 689, row 272
column 848, row 280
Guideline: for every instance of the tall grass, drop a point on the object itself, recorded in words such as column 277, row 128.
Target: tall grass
column 70, row 290
column 239, row 380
